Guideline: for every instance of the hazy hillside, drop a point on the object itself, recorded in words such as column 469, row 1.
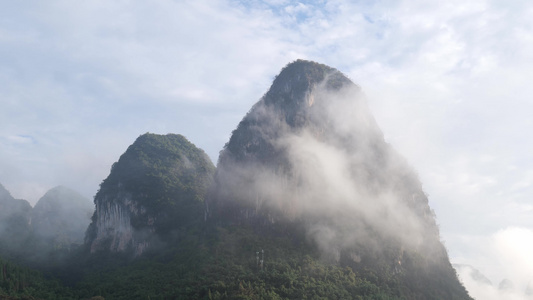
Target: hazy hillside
column 15, row 229
column 62, row 216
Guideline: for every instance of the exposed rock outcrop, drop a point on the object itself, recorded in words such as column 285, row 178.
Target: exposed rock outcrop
column 113, row 225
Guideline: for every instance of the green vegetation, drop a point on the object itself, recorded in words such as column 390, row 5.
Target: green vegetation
column 221, row 262
column 23, row 283
column 161, row 172
column 167, row 176
column 223, row 265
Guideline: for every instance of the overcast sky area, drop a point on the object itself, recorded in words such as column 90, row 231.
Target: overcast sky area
column 449, row 84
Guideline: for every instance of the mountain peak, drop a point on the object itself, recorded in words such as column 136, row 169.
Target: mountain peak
column 305, row 96
column 62, row 215
column 63, row 197
column 301, row 76
column 293, row 90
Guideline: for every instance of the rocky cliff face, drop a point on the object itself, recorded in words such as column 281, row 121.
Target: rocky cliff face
column 156, row 189
column 114, row 229
column 309, row 155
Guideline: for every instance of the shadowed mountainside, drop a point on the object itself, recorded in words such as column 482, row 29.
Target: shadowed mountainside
column 15, row 227
column 62, row 216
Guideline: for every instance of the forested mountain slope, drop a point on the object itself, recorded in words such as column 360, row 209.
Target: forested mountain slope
column 154, row 191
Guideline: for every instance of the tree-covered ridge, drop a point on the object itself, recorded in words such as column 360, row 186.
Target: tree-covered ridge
column 156, row 168
column 157, row 186
column 233, row 262
column 225, row 264
column 237, row 262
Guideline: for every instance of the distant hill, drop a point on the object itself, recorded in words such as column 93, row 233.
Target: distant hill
column 15, row 228
column 45, row 234
column 61, row 217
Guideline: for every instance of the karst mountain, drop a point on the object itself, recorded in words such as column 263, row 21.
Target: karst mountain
column 153, row 191
column 309, row 162
column 307, row 201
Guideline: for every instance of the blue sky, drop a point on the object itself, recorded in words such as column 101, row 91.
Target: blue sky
column 449, row 84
